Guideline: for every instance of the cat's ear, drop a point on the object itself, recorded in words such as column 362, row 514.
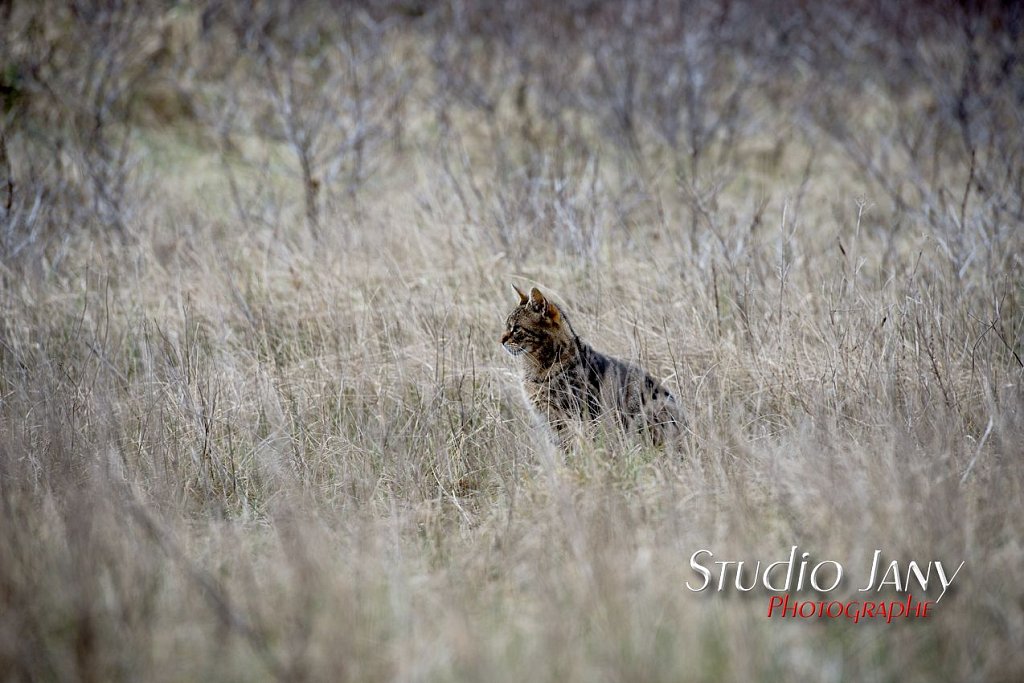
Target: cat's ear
column 552, row 312
column 537, row 300
column 542, row 305
column 522, row 297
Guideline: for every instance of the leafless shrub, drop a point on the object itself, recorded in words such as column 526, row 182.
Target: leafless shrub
column 333, row 92
column 76, row 69
column 938, row 132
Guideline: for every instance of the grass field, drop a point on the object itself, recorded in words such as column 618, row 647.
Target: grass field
column 255, row 421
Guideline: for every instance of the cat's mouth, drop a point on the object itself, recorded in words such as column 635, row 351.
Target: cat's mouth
column 514, row 350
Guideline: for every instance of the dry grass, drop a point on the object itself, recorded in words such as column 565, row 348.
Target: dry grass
column 240, row 440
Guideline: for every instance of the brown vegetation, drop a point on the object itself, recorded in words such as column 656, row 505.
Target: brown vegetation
column 255, row 421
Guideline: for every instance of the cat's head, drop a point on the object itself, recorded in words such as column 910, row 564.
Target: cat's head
column 535, row 326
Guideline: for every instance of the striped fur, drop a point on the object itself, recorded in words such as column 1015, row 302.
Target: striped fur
column 572, row 385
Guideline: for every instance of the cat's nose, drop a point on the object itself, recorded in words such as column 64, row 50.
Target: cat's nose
column 505, row 337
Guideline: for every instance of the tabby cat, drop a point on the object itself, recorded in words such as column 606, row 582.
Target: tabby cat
column 572, row 385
